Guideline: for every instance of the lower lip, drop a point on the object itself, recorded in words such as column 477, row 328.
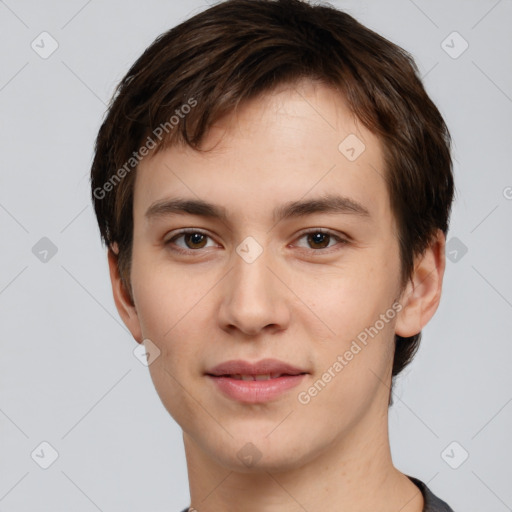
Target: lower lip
column 255, row 391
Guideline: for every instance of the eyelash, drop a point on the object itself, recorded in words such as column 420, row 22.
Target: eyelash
column 180, row 234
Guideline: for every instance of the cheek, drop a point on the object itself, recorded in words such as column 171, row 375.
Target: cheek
column 356, row 303
column 347, row 299
column 165, row 296
column 351, row 370
column 170, row 310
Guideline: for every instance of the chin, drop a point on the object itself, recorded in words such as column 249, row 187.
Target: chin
column 260, row 452
column 261, row 461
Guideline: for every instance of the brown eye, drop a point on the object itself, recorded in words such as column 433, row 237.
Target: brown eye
column 188, row 241
column 318, row 240
column 197, row 240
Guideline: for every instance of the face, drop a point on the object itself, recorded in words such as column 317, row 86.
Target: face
column 314, row 287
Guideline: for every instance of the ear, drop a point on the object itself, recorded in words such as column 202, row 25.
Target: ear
column 122, row 299
column 422, row 294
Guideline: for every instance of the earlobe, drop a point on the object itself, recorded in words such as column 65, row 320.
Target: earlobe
column 422, row 294
column 122, row 299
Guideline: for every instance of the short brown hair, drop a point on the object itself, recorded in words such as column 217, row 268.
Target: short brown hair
column 239, row 49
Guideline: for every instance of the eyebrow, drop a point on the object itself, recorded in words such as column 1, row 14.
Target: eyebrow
column 292, row 209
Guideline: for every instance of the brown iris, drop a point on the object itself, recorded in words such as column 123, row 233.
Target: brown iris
column 196, row 238
column 319, row 238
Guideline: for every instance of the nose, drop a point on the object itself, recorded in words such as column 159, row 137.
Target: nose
column 254, row 297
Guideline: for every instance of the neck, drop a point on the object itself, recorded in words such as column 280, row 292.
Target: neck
column 353, row 474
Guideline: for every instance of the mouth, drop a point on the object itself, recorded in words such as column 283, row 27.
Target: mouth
column 258, row 382
column 265, row 376
column 261, row 370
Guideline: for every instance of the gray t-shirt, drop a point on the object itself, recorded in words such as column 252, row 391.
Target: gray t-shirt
column 432, row 502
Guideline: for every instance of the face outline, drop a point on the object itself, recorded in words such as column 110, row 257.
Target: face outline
column 298, row 304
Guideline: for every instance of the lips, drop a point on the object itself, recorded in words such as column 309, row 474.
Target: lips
column 263, row 381
column 261, row 370
column 267, row 376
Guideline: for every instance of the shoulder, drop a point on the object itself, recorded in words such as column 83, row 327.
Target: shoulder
column 432, row 502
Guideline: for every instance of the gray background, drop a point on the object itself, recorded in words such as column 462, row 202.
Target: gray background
column 67, row 372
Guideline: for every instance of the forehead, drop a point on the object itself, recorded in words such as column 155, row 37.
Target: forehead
column 296, row 141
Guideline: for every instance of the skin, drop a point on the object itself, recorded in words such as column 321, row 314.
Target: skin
column 297, row 302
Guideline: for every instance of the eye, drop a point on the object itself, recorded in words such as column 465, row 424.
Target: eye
column 317, row 239
column 320, row 239
column 193, row 240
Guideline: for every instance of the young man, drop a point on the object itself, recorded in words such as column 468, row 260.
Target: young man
column 274, row 187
